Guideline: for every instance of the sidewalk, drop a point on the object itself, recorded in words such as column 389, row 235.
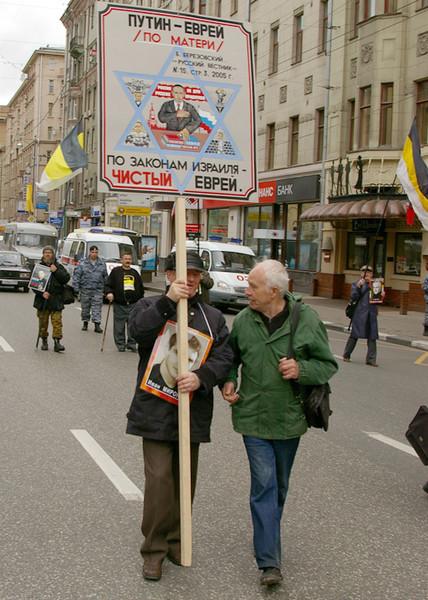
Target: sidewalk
column 393, row 327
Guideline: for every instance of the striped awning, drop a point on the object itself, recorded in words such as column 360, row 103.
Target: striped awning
column 357, row 209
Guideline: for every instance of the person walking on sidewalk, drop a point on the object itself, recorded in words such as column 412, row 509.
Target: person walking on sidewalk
column 364, row 322
column 266, row 411
column 124, row 287
column 425, row 289
column 50, row 303
column 89, row 279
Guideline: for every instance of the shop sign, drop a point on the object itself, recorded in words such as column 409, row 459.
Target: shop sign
column 267, row 192
column 368, row 225
column 298, row 189
column 133, row 211
column 193, row 228
column 96, row 211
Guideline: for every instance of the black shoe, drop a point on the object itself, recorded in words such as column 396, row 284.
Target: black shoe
column 97, row 328
column 425, row 331
column 121, row 349
column 271, row 576
column 132, row 348
column 425, row 487
column 85, row 326
column 44, row 345
column 58, row 347
column 372, row 364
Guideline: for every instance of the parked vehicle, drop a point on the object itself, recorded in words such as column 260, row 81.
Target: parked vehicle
column 228, row 264
column 110, row 247
column 14, row 273
column 29, row 239
column 134, row 236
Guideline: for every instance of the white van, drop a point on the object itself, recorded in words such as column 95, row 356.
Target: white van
column 110, row 247
column 29, row 239
column 228, row 266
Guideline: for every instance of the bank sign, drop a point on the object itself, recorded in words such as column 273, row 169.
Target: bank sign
column 176, row 104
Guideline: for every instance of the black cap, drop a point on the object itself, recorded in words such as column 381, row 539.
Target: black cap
column 194, row 261
column 93, row 248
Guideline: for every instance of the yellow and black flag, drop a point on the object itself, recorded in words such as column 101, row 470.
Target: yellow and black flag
column 413, row 175
column 66, row 162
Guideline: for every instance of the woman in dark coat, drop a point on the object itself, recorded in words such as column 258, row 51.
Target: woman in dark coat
column 50, row 303
column 364, row 321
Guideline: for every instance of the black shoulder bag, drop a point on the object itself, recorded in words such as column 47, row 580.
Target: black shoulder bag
column 315, row 399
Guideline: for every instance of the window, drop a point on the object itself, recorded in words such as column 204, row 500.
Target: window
column 233, row 7
column 408, row 248
column 270, row 146
column 50, row 109
column 274, row 48
column 202, row 7
column 351, row 124
column 217, row 9
column 319, row 134
column 424, row 4
column 51, row 86
column 255, row 48
column 258, row 217
column 191, row 6
column 294, row 140
column 356, row 18
column 308, row 243
column 385, row 127
column 298, row 38
column 323, row 25
column 357, row 252
column 365, row 109
column 91, row 15
column 369, row 9
column 218, row 219
column 50, row 133
column 422, row 110
column 390, row 7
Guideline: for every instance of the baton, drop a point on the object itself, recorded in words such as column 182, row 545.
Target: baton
column 105, row 327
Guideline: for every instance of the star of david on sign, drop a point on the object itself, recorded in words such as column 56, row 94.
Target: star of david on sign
column 139, row 137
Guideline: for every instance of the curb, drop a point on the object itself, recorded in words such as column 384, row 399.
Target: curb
column 384, row 337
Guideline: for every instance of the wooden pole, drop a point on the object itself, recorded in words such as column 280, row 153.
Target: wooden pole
column 183, row 398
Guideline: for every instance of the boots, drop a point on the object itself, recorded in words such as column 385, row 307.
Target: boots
column 58, row 347
column 426, row 330
column 44, row 345
column 97, row 328
column 85, row 326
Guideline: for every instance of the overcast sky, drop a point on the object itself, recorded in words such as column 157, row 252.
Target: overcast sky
column 25, row 26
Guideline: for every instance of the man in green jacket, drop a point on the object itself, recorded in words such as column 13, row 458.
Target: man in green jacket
column 265, row 409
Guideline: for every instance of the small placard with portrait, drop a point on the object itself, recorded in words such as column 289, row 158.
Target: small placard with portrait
column 377, row 291
column 160, row 377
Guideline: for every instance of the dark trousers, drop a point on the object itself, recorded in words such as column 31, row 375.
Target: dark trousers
column 161, row 511
column 371, row 349
column 120, row 321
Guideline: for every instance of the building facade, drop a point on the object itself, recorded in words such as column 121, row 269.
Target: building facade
column 33, row 130
column 337, row 86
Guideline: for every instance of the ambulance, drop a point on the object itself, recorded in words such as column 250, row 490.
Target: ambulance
column 110, row 248
column 228, row 265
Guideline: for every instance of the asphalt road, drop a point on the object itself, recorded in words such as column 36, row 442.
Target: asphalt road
column 355, row 525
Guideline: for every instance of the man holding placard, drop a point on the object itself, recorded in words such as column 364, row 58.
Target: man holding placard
column 154, row 412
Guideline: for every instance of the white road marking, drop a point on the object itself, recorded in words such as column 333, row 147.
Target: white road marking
column 123, row 484
column 391, row 442
column 6, row 347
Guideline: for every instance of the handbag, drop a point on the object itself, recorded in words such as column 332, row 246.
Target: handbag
column 417, row 433
column 68, row 294
column 350, row 308
column 315, row 399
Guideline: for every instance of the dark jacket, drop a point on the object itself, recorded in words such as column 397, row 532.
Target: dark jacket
column 168, row 115
column 152, row 417
column 55, row 288
column 364, row 321
column 115, row 285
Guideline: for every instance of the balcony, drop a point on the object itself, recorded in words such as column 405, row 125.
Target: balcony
column 76, row 47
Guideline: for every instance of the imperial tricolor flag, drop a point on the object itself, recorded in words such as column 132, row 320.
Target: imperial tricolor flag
column 413, row 175
column 66, row 162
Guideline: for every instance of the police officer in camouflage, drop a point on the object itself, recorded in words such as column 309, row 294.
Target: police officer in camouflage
column 89, row 279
